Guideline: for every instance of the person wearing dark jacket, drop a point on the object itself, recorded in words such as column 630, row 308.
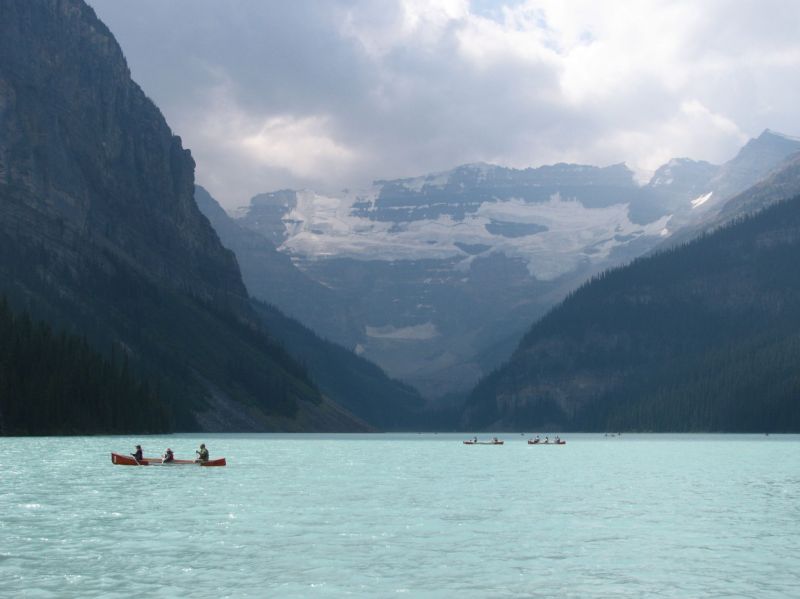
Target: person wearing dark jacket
column 138, row 455
column 202, row 453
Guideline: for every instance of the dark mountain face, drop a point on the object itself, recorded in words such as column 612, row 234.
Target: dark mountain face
column 702, row 337
column 99, row 231
column 266, row 212
column 82, row 147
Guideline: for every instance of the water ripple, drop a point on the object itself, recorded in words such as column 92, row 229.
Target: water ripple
column 382, row 515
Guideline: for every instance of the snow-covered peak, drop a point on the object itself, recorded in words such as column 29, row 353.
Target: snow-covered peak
column 552, row 237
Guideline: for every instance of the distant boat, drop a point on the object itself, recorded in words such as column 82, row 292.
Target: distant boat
column 474, row 442
column 556, row 442
column 125, row 460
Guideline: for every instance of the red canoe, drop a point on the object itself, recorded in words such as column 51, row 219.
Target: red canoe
column 126, row 460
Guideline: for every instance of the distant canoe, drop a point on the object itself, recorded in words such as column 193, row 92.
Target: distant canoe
column 483, row 442
column 532, row 442
column 126, row 460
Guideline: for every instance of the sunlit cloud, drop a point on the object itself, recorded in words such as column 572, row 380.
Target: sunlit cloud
column 334, row 94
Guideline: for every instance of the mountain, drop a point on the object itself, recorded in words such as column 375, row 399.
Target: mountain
column 271, row 276
column 438, row 276
column 782, row 184
column 100, row 233
column 703, row 337
column 351, row 381
column 435, row 270
column 754, row 161
column 743, row 185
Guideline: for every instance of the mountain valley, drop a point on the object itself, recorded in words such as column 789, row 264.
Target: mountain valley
column 435, row 278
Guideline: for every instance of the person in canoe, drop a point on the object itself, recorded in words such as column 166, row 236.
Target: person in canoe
column 168, row 456
column 138, row 455
column 202, row 453
column 537, row 439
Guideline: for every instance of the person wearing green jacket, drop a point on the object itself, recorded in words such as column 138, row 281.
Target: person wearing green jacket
column 202, row 453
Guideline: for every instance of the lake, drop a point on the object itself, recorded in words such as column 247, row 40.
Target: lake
column 403, row 515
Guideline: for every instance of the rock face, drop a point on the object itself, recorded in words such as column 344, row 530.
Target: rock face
column 85, row 149
column 99, row 230
column 782, row 184
column 762, row 172
column 438, row 276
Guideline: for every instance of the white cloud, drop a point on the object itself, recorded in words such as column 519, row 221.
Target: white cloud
column 326, row 95
column 299, row 145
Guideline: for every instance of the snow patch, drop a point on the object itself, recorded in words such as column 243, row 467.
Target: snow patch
column 700, row 200
column 321, row 226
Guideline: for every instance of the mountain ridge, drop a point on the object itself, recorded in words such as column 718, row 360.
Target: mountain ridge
column 471, row 256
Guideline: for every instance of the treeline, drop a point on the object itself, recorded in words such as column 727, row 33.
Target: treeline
column 704, row 337
column 752, row 385
column 55, row 383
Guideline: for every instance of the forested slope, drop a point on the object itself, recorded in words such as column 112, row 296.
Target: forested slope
column 351, row 381
column 704, row 337
column 55, row 383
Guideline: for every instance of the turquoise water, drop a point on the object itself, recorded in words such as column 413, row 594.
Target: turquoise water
column 414, row 515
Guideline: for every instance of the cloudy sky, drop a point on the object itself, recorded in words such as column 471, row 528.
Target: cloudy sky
column 328, row 94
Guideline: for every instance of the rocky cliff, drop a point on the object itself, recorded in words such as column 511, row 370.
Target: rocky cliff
column 99, row 231
column 84, row 149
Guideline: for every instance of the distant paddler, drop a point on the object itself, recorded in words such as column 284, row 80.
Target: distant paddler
column 202, row 453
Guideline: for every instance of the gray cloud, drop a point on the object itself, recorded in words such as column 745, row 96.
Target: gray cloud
column 272, row 94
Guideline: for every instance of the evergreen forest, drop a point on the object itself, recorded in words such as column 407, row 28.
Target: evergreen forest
column 54, row 383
